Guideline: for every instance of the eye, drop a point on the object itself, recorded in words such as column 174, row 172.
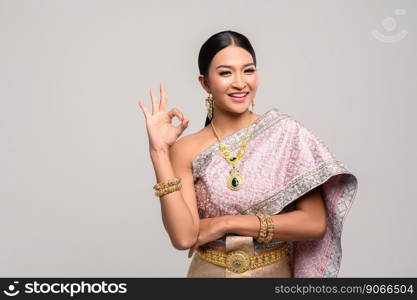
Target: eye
column 247, row 70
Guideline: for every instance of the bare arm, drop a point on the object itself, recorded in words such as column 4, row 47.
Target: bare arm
column 180, row 223
column 306, row 222
column 179, row 209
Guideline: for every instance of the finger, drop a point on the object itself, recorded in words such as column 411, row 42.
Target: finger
column 176, row 112
column 155, row 105
column 184, row 121
column 182, row 126
column 164, row 98
column 145, row 110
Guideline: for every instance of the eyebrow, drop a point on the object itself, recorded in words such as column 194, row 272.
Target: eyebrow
column 227, row 66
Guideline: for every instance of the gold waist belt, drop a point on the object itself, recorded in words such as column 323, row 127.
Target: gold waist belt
column 238, row 261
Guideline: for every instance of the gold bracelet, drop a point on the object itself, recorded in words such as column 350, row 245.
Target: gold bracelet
column 271, row 227
column 170, row 182
column 263, row 228
column 266, row 231
column 168, row 190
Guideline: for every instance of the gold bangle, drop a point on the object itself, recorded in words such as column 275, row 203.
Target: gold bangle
column 267, row 226
column 271, row 227
column 163, row 185
column 263, row 227
column 171, row 182
column 168, row 190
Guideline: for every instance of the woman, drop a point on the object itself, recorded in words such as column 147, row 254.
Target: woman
column 250, row 195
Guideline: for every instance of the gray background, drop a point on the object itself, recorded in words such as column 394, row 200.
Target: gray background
column 75, row 173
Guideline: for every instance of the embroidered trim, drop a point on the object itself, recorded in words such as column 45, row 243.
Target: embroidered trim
column 299, row 186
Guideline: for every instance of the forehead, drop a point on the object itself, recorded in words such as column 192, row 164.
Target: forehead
column 232, row 55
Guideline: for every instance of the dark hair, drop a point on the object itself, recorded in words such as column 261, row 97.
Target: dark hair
column 216, row 43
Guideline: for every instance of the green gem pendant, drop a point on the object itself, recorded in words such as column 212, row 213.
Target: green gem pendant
column 235, row 181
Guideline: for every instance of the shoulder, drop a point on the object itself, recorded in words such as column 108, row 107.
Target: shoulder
column 187, row 142
column 307, row 135
column 298, row 131
column 281, row 119
column 290, row 122
column 185, row 147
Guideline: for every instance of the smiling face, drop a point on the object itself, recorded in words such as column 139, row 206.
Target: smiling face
column 231, row 70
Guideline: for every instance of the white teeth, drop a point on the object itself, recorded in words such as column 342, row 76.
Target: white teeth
column 238, row 95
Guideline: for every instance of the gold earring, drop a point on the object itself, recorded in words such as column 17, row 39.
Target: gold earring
column 253, row 104
column 209, row 105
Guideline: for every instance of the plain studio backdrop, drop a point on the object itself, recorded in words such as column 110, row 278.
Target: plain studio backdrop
column 75, row 172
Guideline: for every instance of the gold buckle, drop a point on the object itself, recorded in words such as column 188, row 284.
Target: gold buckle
column 237, row 261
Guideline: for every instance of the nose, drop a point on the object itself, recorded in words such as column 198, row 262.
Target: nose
column 239, row 82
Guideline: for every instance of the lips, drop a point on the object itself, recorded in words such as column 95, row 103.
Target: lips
column 238, row 97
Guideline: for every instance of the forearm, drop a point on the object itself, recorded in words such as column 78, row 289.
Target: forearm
column 296, row 225
column 176, row 215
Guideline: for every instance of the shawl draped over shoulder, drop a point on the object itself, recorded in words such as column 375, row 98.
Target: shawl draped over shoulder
column 283, row 161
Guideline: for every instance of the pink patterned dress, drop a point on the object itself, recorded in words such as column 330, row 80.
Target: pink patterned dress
column 283, row 161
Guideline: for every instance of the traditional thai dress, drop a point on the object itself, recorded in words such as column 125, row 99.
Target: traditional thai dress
column 283, row 161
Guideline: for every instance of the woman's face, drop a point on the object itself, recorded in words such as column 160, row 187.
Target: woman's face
column 232, row 70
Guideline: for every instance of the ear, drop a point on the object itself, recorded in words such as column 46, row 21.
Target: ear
column 204, row 83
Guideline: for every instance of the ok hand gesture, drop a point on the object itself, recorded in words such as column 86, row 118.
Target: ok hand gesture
column 161, row 133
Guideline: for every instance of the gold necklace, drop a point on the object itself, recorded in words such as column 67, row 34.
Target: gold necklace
column 235, row 180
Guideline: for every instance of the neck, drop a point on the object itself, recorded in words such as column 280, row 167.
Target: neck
column 228, row 123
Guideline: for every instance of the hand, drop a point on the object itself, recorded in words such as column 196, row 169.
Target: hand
column 211, row 229
column 161, row 133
